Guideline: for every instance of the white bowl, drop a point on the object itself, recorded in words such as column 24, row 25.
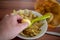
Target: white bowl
column 43, row 28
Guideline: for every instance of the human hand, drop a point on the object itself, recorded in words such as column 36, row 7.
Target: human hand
column 10, row 28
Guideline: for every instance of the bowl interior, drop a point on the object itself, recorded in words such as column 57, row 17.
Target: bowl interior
column 43, row 28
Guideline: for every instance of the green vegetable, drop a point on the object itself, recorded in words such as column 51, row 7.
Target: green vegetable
column 41, row 18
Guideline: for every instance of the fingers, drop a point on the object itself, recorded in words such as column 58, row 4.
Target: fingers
column 14, row 16
column 23, row 26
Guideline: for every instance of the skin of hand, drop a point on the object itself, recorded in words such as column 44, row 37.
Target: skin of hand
column 10, row 28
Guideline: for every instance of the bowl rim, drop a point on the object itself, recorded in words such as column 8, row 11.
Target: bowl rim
column 45, row 22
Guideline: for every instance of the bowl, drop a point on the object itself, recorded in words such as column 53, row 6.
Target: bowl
column 43, row 28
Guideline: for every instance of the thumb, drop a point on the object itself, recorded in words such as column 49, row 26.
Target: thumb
column 23, row 26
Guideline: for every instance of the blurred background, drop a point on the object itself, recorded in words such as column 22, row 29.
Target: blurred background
column 7, row 6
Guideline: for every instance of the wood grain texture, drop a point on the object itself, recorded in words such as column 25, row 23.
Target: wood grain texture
column 6, row 6
column 49, row 37
column 16, row 4
column 20, row 0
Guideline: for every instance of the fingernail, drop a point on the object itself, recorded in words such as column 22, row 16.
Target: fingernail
column 12, row 14
column 7, row 15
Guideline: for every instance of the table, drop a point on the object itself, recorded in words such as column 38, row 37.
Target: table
column 6, row 7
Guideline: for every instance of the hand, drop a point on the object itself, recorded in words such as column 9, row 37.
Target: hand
column 10, row 28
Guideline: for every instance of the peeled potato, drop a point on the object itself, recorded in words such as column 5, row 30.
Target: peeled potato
column 26, row 20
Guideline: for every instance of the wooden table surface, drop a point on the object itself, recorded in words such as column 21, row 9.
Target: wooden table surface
column 6, row 7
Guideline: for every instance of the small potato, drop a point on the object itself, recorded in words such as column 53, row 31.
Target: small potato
column 26, row 20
